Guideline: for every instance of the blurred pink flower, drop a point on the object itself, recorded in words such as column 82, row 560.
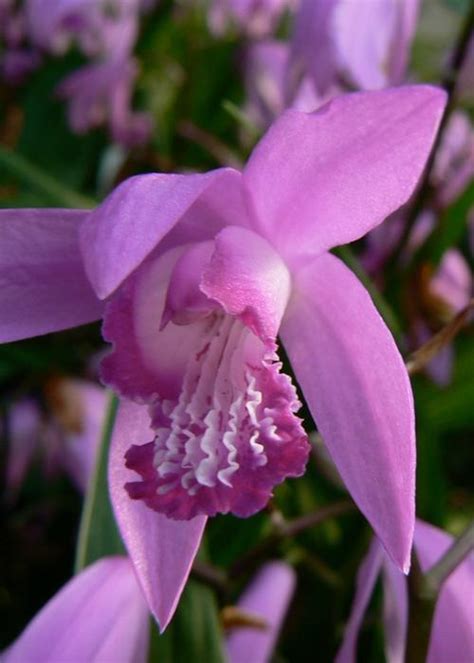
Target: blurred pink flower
column 353, row 44
column 256, row 18
column 266, row 598
column 200, row 273
column 452, row 635
column 67, row 439
column 100, row 92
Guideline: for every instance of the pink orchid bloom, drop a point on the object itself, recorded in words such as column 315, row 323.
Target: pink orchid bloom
column 452, row 634
column 200, row 273
column 267, row 597
column 68, row 439
column 101, row 92
column 363, row 44
column 98, row 616
column 17, row 58
column 266, row 68
column 256, row 18
column 99, row 28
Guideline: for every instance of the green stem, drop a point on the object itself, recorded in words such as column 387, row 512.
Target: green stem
column 449, row 84
column 449, row 562
column 98, row 534
column 43, row 183
column 420, row 615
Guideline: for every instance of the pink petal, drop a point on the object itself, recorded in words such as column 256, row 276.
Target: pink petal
column 249, row 280
column 312, row 44
column 452, row 280
column 146, row 361
column 162, row 550
column 43, row 287
column 452, row 635
column 267, row 597
column 100, row 615
column 358, row 391
column 326, row 178
column 120, row 233
column 372, row 40
column 366, row 579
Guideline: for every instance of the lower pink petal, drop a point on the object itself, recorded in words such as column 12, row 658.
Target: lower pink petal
column 162, row 550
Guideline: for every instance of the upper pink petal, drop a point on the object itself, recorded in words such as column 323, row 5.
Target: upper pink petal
column 162, row 550
column 268, row 597
column 43, row 287
column 326, row 178
column 358, row 391
column 130, row 223
column 366, row 578
column 100, row 615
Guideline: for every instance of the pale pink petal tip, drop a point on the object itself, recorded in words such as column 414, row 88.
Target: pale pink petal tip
column 267, row 597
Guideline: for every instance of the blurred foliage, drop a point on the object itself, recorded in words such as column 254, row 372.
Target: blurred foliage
column 189, row 80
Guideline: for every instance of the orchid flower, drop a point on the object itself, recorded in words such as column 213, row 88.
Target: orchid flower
column 267, row 598
column 195, row 275
column 69, row 438
column 360, row 44
column 99, row 92
column 452, row 635
column 256, row 18
column 17, row 58
column 100, row 615
column 266, row 66
column 102, row 92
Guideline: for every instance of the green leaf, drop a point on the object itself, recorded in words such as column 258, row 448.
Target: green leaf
column 52, row 191
column 98, row 533
column 194, row 633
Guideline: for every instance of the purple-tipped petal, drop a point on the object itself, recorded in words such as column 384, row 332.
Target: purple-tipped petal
column 100, row 615
column 162, row 550
column 452, row 635
column 358, row 391
column 326, row 178
column 366, row 578
column 43, row 287
column 267, row 597
column 120, row 233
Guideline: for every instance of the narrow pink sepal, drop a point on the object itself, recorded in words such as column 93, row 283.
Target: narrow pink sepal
column 322, row 179
column 43, row 287
column 162, row 550
column 267, row 597
column 100, row 615
column 357, row 388
column 136, row 216
column 366, row 578
column 452, row 635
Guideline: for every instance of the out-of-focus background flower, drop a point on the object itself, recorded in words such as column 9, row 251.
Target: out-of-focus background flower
column 94, row 91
